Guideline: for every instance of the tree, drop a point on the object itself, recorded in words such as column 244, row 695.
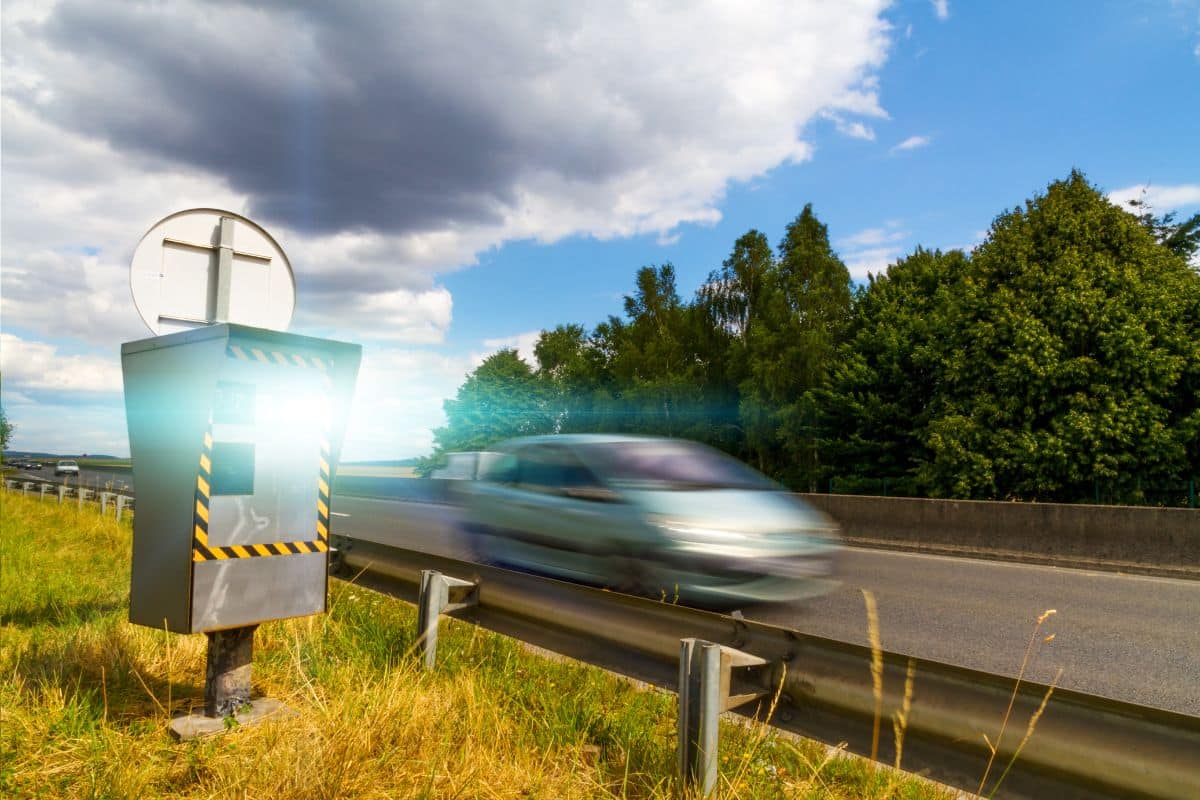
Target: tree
column 1071, row 357
column 887, row 377
column 6, row 431
column 733, row 295
column 805, row 307
column 500, row 399
column 1181, row 238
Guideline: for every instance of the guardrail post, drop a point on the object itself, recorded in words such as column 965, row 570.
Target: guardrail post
column 62, row 492
column 25, row 487
column 120, row 505
column 79, row 492
column 44, row 488
column 440, row 594
column 103, row 503
column 706, row 673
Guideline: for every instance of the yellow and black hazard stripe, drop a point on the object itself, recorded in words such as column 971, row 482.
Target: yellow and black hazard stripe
column 323, row 496
column 203, row 551
column 276, row 357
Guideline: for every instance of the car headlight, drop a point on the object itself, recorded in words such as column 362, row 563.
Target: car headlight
column 685, row 531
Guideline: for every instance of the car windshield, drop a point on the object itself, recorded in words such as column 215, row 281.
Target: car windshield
column 673, row 465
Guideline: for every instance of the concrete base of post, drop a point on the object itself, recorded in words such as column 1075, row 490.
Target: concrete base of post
column 194, row 726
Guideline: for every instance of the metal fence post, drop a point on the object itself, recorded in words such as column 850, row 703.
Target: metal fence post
column 440, row 594
column 705, row 682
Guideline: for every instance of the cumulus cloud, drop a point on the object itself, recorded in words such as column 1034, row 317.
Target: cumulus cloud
column 873, row 237
column 384, row 146
column 941, row 9
column 872, row 250
column 30, row 365
column 1161, row 199
column 348, row 116
column 911, row 143
column 523, row 343
column 397, row 401
column 870, row 261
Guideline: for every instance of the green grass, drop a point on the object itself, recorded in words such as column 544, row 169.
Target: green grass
column 85, row 699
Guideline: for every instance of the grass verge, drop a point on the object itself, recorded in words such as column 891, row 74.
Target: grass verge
column 85, row 698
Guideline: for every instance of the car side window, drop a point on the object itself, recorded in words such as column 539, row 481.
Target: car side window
column 553, row 469
column 502, row 470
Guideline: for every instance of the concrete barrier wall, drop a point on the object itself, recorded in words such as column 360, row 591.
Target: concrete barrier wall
column 1153, row 540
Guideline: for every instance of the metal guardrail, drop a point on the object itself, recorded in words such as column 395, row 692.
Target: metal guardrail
column 42, row 488
column 1082, row 745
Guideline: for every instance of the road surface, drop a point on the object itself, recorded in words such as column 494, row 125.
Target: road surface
column 1128, row 637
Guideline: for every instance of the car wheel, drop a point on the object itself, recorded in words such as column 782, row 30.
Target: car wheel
column 481, row 542
column 630, row 575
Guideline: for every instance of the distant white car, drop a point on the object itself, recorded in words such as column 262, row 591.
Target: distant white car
column 66, row 468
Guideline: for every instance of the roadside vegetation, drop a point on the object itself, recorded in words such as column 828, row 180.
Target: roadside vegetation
column 1057, row 360
column 85, row 699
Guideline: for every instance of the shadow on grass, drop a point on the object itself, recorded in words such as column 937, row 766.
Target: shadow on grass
column 60, row 615
column 103, row 674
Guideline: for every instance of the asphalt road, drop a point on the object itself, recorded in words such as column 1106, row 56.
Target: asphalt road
column 1127, row 637
column 116, row 480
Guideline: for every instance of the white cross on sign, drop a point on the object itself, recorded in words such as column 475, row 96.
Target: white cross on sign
column 187, row 272
column 178, row 257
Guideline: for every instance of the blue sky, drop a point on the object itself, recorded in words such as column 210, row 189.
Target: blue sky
column 466, row 183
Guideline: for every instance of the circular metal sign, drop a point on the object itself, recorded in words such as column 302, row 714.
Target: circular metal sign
column 204, row 266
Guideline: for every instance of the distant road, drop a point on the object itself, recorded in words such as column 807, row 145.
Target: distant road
column 1128, row 637
column 118, row 480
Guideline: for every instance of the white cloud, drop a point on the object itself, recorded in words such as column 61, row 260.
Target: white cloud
column 871, row 261
column 911, row 143
column 941, row 8
column 379, row 157
column 872, row 250
column 523, row 343
column 29, row 365
column 398, row 401
column 852, row 128
column 1161, row 199
column 873, row 237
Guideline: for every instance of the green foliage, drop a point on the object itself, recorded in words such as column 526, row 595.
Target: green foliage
column 1181, row 238
column 502, row 398
column 1070, row 356
column 886, row 378
column 6, row 430
column 1062, row 356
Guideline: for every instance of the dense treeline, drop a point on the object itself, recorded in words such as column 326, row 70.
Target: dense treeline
column 1060, row 356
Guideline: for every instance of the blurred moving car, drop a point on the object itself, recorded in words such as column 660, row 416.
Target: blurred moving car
column 66, row 468
column 466, row 466
column 667, row 518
